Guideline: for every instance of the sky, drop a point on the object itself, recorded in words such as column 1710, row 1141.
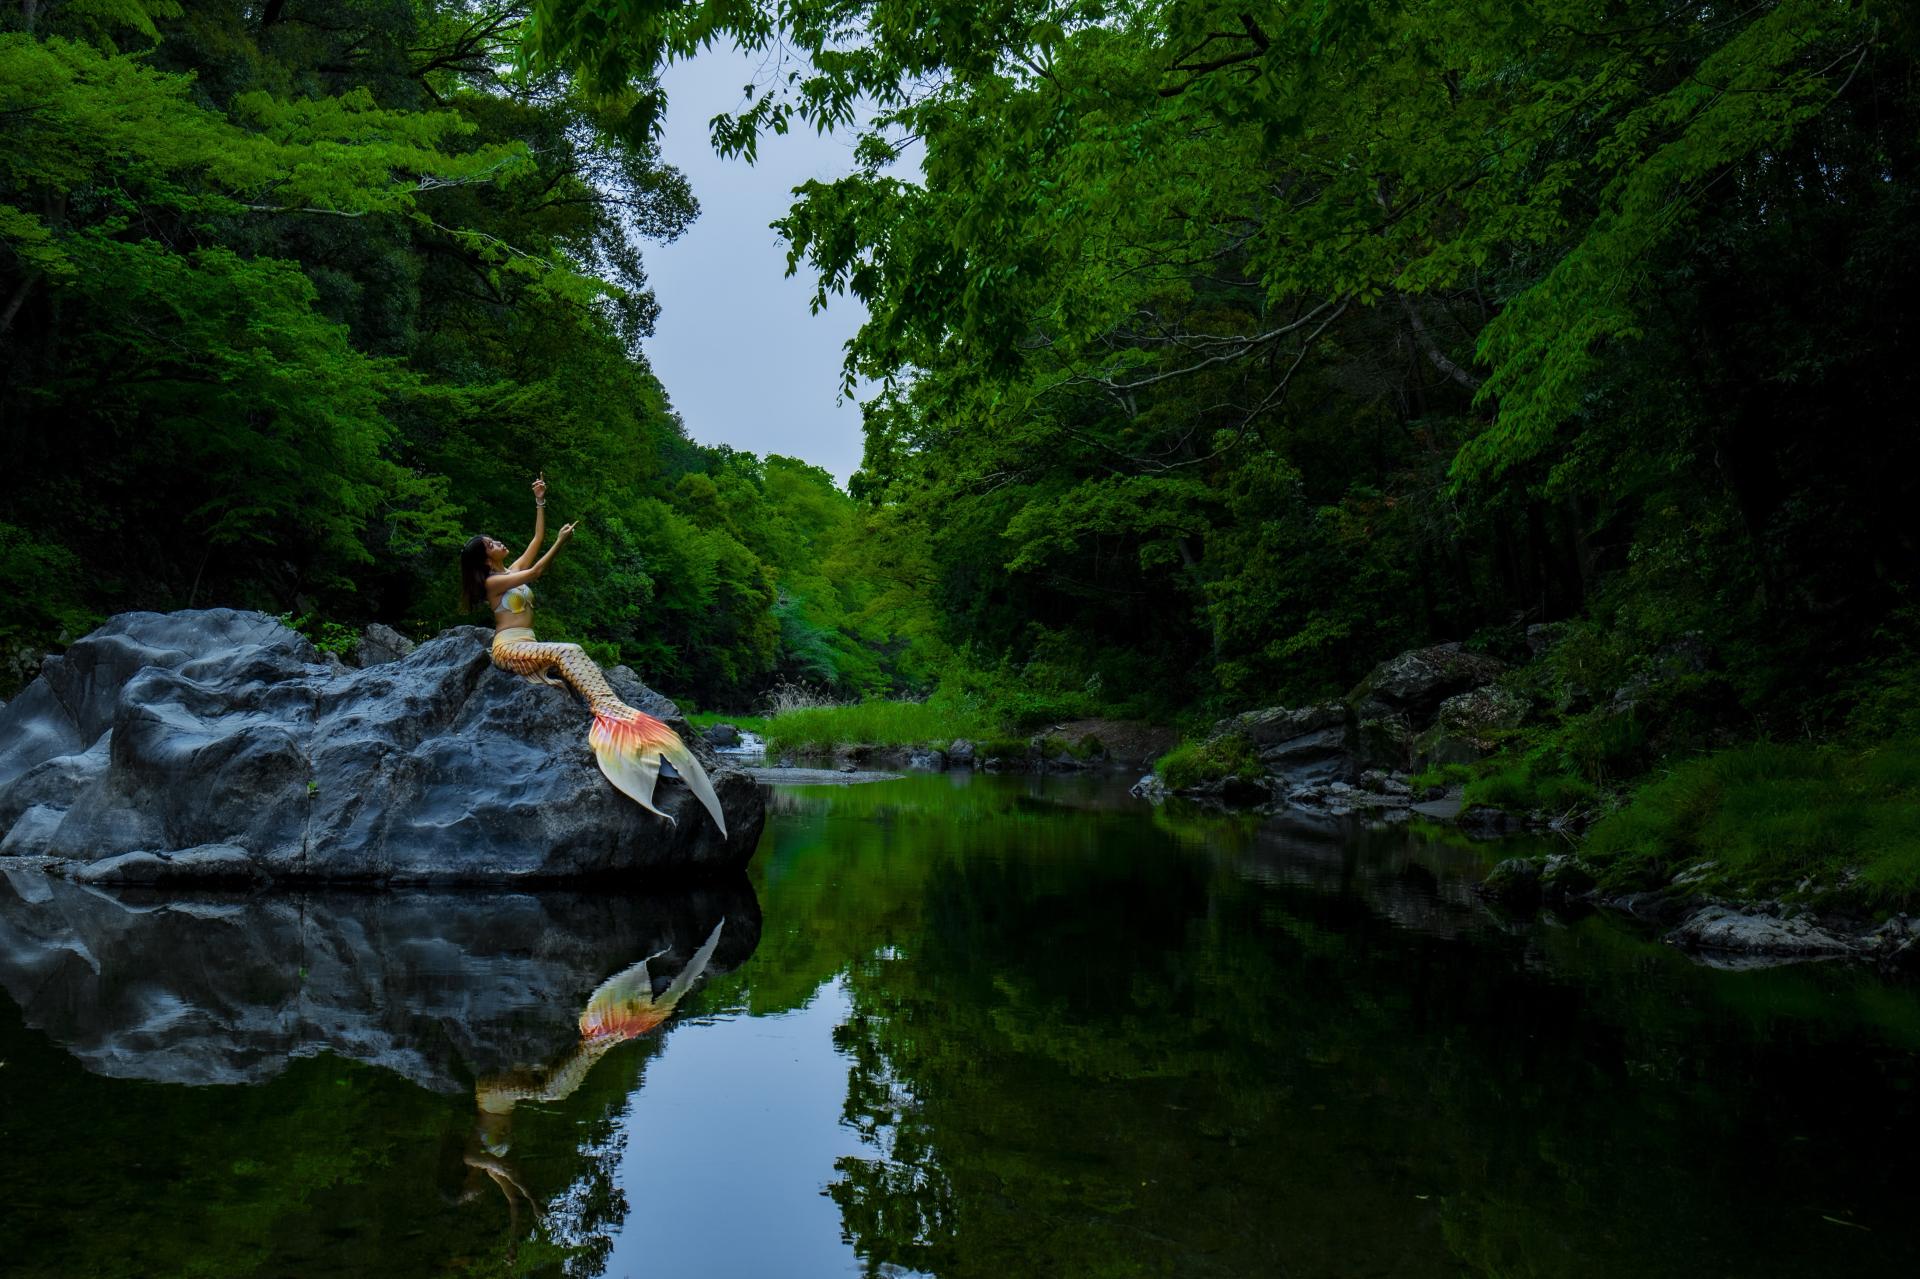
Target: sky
column 741, row 357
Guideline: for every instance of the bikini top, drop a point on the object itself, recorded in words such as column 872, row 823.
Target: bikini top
column 517, row 600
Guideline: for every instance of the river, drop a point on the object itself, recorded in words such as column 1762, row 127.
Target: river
column 948, row 1025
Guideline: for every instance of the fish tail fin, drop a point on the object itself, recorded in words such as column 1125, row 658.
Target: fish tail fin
column 630, row 751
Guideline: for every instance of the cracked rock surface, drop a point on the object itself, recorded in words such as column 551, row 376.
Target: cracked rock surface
column 169, row 734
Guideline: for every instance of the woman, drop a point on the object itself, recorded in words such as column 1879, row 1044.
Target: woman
column 628, row 744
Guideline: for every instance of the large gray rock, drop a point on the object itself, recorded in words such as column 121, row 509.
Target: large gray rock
column 1759, row 936
column 1467, row 726
column 1415, row 683
column 167, row 732
column 1299, row 747
column 439, row 986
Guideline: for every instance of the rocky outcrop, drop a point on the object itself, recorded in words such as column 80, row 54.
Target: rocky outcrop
column 1716, row 932
column 1414, row 684
column 1465, row 726
column 1305, row 747
column 438, row 986
column 1425, row 707
column 164, row 733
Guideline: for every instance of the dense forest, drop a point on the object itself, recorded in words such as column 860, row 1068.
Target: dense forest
column 295, row 298
column 1225, row 350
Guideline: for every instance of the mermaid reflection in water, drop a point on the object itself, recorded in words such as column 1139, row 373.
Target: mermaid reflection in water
column 624, row 1007
column 628, row 743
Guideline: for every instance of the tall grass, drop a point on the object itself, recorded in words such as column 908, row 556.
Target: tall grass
column 1771, row 816
column 745, row 723
column 936, row 722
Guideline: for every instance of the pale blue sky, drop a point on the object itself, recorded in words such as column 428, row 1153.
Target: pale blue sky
column 741, row 357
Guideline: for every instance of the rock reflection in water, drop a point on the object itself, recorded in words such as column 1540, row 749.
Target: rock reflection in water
column 460, row 1004
column 440, row 987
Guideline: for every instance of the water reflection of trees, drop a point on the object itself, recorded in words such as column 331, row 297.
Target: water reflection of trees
column 1079, row 1048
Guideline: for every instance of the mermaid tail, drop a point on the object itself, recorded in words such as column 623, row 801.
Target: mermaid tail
column 629, row 744
column 625, row 1006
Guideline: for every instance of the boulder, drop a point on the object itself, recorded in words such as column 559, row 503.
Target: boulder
column 160, row 733
column 1481, row 712
column 722, row 735
column 379, row 644
column 1759, row 936
column 1565, row 877
column 1484, row 821
column 1514, row 883
column 1414, row 684
column 1384, row 741
column 1384, row 783
column 1542, row 636
column 1150, row 788
column 1467, row 724
column 960, row 753
column 1299, row 747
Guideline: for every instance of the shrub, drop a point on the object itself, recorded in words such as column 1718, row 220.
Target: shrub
column 328, row 637
column 1197, row 763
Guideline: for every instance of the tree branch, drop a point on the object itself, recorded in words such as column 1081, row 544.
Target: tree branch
column 1434, row 353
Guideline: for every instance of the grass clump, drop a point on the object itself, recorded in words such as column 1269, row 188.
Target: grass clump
column 875, row 723
column 1525, row 788
column 1770, row 817
column 745, row 723
column 1198, row 763
column 1442, row 775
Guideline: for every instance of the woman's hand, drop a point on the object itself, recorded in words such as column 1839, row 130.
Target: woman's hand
column 564, row 535
column 540, row 488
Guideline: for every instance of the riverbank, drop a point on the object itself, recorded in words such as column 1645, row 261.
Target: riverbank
column 1757, row 850
column 924, row 736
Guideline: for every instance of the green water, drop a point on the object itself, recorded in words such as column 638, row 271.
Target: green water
column 950, row 1026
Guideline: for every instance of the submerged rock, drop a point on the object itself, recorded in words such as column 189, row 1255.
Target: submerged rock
column 1151, row 788
column 160, row 733
column 1513, row 883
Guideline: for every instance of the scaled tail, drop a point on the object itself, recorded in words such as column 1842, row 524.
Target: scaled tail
column 625, row 1006
column 630, row 751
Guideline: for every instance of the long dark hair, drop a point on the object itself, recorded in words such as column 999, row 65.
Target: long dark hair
column 474, row 571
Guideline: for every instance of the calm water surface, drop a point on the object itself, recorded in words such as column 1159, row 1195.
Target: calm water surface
column 949, row 1026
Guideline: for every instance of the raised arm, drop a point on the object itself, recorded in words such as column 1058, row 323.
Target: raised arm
column 506, row 581
column 539, row 524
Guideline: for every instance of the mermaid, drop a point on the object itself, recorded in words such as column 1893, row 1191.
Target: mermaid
column 629, row 744
column 624, row 1007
